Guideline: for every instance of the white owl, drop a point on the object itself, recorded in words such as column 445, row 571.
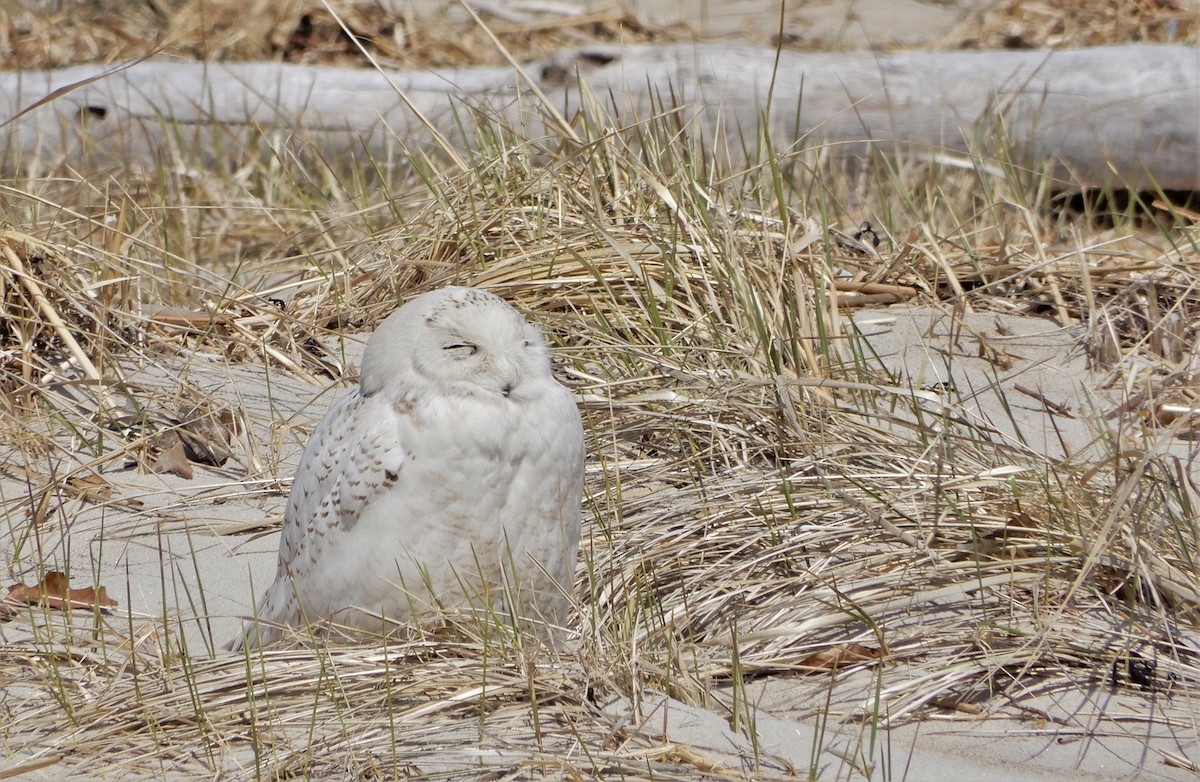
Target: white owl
column 450, row 479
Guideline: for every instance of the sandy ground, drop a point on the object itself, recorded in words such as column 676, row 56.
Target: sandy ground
column 1025, row 378
column 826, row 24
column 202, row 537
column 849, row 24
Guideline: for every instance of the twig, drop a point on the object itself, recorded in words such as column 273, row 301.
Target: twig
column 1053, row 407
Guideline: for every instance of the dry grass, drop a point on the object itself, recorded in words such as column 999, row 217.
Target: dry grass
column 46, row 34
column 54, row 33
column 1025, row 24
column 767, row 504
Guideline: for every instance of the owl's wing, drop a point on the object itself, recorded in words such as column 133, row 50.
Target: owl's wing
column 353, row 455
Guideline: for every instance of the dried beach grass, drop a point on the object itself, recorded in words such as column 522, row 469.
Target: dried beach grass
column 56, row 33
column 48, row 34
column 1027, row 24
column 768, row 505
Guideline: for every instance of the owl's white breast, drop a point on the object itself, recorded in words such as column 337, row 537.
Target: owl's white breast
column 489, row 486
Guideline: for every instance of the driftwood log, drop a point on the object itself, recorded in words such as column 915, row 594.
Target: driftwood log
column 1126, row 116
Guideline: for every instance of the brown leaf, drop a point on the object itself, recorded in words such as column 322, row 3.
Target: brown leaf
column 173, row 460
column 54, row 591
column 953, row 704
column 91, row 487
column 838, row 656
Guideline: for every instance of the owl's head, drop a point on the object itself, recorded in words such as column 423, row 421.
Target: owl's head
column 457, row 341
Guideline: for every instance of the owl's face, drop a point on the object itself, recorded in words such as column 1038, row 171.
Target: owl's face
column 457, row 341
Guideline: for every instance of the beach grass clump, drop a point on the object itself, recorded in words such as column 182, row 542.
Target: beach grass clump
column 771, row 506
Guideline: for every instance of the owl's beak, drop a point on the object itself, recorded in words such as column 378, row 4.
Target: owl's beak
column 509, row 373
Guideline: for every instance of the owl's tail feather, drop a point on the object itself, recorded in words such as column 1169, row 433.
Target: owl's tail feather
column 254, row 635
column 275, row 612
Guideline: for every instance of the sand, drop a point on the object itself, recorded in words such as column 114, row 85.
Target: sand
column 213, row 536
column 201, row 537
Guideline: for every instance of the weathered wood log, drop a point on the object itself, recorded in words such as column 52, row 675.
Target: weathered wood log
column 1121, row 115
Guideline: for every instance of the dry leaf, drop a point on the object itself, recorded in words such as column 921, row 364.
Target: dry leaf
column 54, row 591
column 838, row 656
column 173, row 460
column 91, row 487
column 953, row 704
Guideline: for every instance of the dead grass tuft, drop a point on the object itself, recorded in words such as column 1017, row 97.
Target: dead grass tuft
column 1029, row 24
column 771, row 511
column 51, row 314
column 45, row 34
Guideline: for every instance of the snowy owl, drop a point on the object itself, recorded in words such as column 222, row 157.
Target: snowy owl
column 450, row 479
